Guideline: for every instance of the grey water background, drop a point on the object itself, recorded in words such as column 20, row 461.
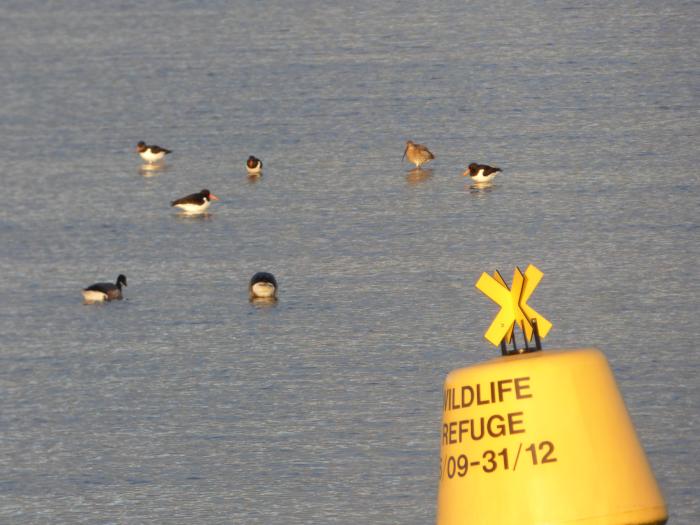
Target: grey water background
column 187, row 404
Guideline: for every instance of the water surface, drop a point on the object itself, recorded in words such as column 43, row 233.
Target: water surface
column 187, row 404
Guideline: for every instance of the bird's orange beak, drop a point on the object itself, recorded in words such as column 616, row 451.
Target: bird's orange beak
column 213, row 197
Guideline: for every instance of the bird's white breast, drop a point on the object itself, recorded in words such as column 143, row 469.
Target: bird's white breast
column 193, row 208
column 480, row 177
column 149, row 156
column 94, row 296
column 263, row 290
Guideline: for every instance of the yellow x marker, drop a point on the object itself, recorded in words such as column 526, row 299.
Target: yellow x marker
column 513, row 303
column 500, row 295
column 515, row 293
column 533, row 276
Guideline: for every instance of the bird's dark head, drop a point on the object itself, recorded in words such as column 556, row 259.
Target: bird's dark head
column 208, row 195
column 121, row 280
column 141, row 146
column 263, row 277
column 252, row 162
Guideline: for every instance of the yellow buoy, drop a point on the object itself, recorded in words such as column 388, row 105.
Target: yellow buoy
column 542, row 438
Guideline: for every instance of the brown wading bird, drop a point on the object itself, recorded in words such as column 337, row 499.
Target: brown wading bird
column 417, row 153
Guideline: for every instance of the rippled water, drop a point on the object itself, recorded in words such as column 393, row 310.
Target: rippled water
column 187, row 404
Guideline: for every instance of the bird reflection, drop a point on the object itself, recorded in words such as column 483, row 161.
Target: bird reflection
column 418, row 175
column 184, row 216
column 151, row 170
column 263, row 302
column 479, row 189
column 253, row 179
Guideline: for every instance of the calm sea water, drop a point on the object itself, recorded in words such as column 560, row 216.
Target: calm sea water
column 187, row 404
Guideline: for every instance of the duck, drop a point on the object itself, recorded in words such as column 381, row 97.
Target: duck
column 263, row 285
column 100, row 292
column 481, row 172
column 196, row 202
column 254, row 165
column 152, row 153
column 418, row 154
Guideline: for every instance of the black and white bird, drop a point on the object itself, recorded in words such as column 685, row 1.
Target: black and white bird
column 254, row 166
column 151, row 154
column 263, row 285
column 481, row 172
column 196, row 202
column 100, row 292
